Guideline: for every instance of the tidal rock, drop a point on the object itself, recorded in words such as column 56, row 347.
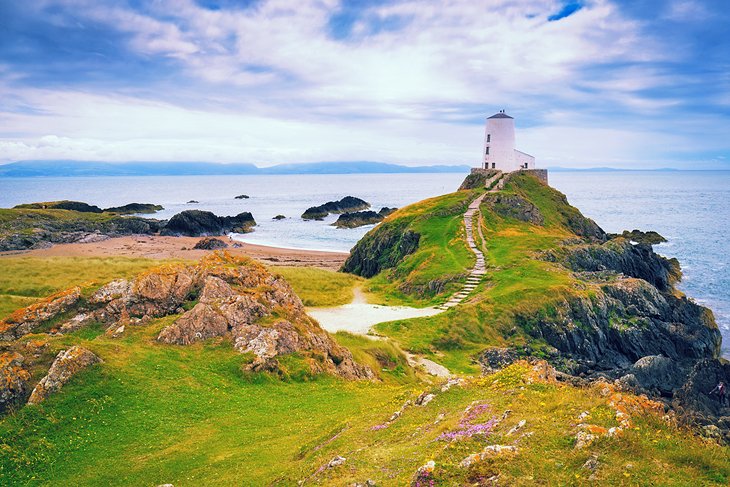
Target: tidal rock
column 193, row 202
column 242, row 197
column 134, row 208
column 197, row 223
column 346, row 204
column 67, row 364
column 649, row 238
column 357, row 219
column 279, row 217
column 29, row 319
column 13, row 381
column 210, row 243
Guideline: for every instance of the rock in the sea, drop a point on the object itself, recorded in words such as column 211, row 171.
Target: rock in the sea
column 279, row 217
column 198, row 223
column 242, row 197
column 67, row 364
column 133, row 208
column 649, row 238
column 357, row 219
column 29, row 319
column 346, row 204
column 210, row 243
column 13, row 381
column 193, row 202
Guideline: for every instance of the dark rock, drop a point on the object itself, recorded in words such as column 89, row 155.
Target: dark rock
column 67, row 364
column 381, row 249
column 61, row 205
column 385, row 211
column 13, row 381
column 279, row 217
column 210, row 243
column 193, row 201
column 357, row 219
column 648, row 238
column 346, row 204
column 242, row 197
column 513, row 206
column 196, row 223
column 623, row 322
column 694, row 397
column 620, row 255
column 494, row 359
column 655, row 375
column 133, row 208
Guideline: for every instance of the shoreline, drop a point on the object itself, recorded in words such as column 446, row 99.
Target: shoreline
column 163, row 247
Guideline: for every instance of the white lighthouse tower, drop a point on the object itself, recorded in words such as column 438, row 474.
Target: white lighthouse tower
column 499, row 146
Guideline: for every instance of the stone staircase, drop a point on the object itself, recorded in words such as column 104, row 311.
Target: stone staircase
column 480, row 267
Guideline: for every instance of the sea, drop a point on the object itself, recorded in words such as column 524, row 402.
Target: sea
column 690, row 208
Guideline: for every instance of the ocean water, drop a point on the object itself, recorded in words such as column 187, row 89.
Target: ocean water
column 690, row 208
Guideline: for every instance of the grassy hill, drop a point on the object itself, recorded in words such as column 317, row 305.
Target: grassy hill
column 190, row 415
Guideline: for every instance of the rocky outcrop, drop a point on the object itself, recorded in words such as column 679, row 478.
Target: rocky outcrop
column 620, row 255
column 67, row 364
column 477, row 179
column 696, row 396
column 226, row 296
column 279, row 217
column 649, row 238
column 198, row 223
column 263, row 316
column 623, row 322
column 31, row 228
column 29, row 319
column 210, row 243
column 13, row 381
column 362, row 218
column 242, row 197
column 381, row 249
column 134, row 208
column 346, row 204
column 61, row 205
column 513, row 206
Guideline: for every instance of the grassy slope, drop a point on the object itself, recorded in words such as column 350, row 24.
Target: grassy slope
column 442, row 252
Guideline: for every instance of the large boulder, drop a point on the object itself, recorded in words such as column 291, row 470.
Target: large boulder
column 210, row 243
column 67, row 364
column 29, row 319
column 198, row 223
column 13, row 381
column 134, row 208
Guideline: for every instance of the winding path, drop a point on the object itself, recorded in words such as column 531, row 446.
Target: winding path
column 480, row 268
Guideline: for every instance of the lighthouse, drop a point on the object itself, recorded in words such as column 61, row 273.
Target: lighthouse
column 499, row 146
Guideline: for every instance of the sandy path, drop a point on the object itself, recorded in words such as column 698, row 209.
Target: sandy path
column 359, row 316
column 158, row 247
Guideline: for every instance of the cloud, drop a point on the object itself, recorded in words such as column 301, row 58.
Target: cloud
column 403, row 81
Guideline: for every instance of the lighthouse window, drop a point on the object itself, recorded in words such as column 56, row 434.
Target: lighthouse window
column 487, row 153
column 489, row 137
column 494, row 165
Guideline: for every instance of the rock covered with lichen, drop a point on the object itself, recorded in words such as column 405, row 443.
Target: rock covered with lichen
column 67, row 364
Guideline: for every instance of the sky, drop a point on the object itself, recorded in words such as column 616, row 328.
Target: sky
column 591, row 83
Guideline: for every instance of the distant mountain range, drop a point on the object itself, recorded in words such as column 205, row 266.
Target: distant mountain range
column 66, row 168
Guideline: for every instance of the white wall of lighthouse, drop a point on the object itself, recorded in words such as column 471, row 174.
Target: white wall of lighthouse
column 499, row 146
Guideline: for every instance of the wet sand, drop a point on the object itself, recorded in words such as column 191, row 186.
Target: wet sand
column 158, row 247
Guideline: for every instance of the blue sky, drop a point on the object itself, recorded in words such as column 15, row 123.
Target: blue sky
column 636, row 84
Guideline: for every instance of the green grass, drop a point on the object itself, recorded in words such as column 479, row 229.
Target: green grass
column 154, row 413
column 319, row 287
column 23, row 280
column 442, row 253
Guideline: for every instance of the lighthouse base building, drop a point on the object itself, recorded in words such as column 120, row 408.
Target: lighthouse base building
column 499, row 153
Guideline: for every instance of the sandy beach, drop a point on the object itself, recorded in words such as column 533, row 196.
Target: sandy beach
column 158, row 247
